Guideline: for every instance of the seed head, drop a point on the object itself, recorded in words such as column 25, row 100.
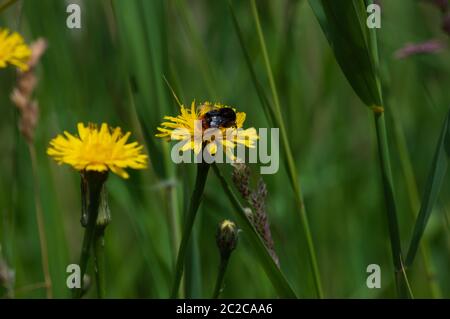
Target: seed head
column 23, row 92
column 241, row 178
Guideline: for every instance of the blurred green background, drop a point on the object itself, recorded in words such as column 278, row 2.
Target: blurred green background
column 112, row 70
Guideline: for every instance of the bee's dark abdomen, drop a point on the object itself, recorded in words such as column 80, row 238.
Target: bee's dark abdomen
column 223, row 117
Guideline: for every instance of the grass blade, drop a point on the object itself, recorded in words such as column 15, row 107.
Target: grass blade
column 143, row 39
column 273, row 114
column 413, row 195
column 434, row 183
column 273, row 272
column 343, row 23
column 388, row 188
column 202, row 60
column 355, row 48
column 40, row 223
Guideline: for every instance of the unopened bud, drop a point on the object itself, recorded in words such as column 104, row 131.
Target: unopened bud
column 227, row 238
column 104, row 214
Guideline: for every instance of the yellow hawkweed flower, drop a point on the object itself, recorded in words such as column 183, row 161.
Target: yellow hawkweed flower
column 184, row 126
column 98, row 150
column 13, row 50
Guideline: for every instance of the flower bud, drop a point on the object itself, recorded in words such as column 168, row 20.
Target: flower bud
column 104, row 214
column 227, row 238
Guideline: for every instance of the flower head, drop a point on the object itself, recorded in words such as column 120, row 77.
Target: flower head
column 192, row 120
column 13, row 50
column 427, row 47
column 98, row 150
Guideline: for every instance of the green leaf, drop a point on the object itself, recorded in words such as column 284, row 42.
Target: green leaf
column 432, row 188
column 344, row 24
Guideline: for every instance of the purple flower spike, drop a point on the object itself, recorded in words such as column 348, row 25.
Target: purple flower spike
column 428, row 47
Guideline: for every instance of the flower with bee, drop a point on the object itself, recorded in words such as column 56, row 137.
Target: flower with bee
column 209, row 127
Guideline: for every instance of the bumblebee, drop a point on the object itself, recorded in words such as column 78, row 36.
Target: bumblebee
column 223, row 117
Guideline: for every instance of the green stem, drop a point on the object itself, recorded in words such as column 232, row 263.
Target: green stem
column 202, row 173
column 389, row 196
column 95, row 184
column 99, row 258
column 103, row 220
column 401, row 279
column 290, row 163
column 220, row 276
column 406, row 283
column 40, row 222
column 85, row 250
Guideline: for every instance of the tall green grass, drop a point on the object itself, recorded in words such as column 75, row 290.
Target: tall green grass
column 356, row 50
column 113, row 70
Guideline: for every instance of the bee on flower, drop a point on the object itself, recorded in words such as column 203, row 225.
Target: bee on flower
column 210, row 127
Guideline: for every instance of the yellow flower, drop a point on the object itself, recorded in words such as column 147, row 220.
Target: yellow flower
column 13, row 50
column 98, row 150
column 184, row 126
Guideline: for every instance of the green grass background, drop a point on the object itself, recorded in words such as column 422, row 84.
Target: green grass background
column 112, row 70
